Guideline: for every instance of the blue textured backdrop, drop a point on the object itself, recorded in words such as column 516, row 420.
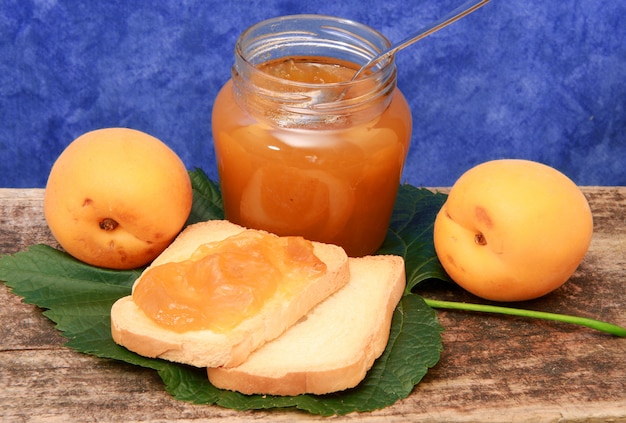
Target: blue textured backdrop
column 535, row 79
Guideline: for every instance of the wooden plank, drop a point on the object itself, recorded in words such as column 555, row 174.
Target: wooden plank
column 493, row 368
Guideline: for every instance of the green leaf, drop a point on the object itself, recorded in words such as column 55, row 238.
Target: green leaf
column 207, row 200
column 78, row 298
column 50, row 278
column 410, row 234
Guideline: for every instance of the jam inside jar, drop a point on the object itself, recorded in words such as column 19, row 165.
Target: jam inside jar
column 301, row 149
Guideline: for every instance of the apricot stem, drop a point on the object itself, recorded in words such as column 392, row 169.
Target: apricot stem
column 583, row 321
column 108, row 224
column 480, row 239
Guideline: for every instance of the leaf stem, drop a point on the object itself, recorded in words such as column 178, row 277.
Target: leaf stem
column 583, row 321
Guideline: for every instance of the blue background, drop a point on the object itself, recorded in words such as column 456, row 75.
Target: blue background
column 535, row 79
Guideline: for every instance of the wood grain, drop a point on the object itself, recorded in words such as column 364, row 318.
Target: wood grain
column 493, row 368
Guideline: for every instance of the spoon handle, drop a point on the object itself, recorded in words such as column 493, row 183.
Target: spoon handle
column 458, row 13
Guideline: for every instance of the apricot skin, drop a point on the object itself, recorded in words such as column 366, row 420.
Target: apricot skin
column 512, row 230
column 117, row 197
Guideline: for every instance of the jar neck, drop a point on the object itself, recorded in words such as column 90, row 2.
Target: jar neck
column 309, row 105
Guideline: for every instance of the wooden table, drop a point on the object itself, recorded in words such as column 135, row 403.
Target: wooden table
column 493, row 369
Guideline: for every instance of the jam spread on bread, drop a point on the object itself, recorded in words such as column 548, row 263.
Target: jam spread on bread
column 225, row 282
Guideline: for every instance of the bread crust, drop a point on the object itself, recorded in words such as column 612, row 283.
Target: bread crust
column 131, row 328
column 316, row 356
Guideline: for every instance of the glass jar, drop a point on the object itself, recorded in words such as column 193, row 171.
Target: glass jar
column 301, row 149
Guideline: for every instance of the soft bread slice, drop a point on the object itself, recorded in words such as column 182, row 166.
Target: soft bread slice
column 333, row 347
column 132, row 329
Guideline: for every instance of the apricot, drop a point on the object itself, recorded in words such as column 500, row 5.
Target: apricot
column 117, row 197
column 512, row 230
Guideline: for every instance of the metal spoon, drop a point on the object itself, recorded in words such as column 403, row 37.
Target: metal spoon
column 323, row 98
column 452, row 17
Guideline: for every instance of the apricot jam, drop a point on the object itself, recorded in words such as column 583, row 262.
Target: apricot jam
column 225, row 282
column 302, row 149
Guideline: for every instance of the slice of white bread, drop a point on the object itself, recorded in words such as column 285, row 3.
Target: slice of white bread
column 333, row 347
column 134, row 330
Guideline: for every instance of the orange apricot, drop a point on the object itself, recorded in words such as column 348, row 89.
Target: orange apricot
column 117, row 197
column 512, row 230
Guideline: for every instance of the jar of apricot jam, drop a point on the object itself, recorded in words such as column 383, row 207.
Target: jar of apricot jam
column 300, row 148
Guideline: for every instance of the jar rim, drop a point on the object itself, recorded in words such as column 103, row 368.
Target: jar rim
column 289, row 103
column 255, row 46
